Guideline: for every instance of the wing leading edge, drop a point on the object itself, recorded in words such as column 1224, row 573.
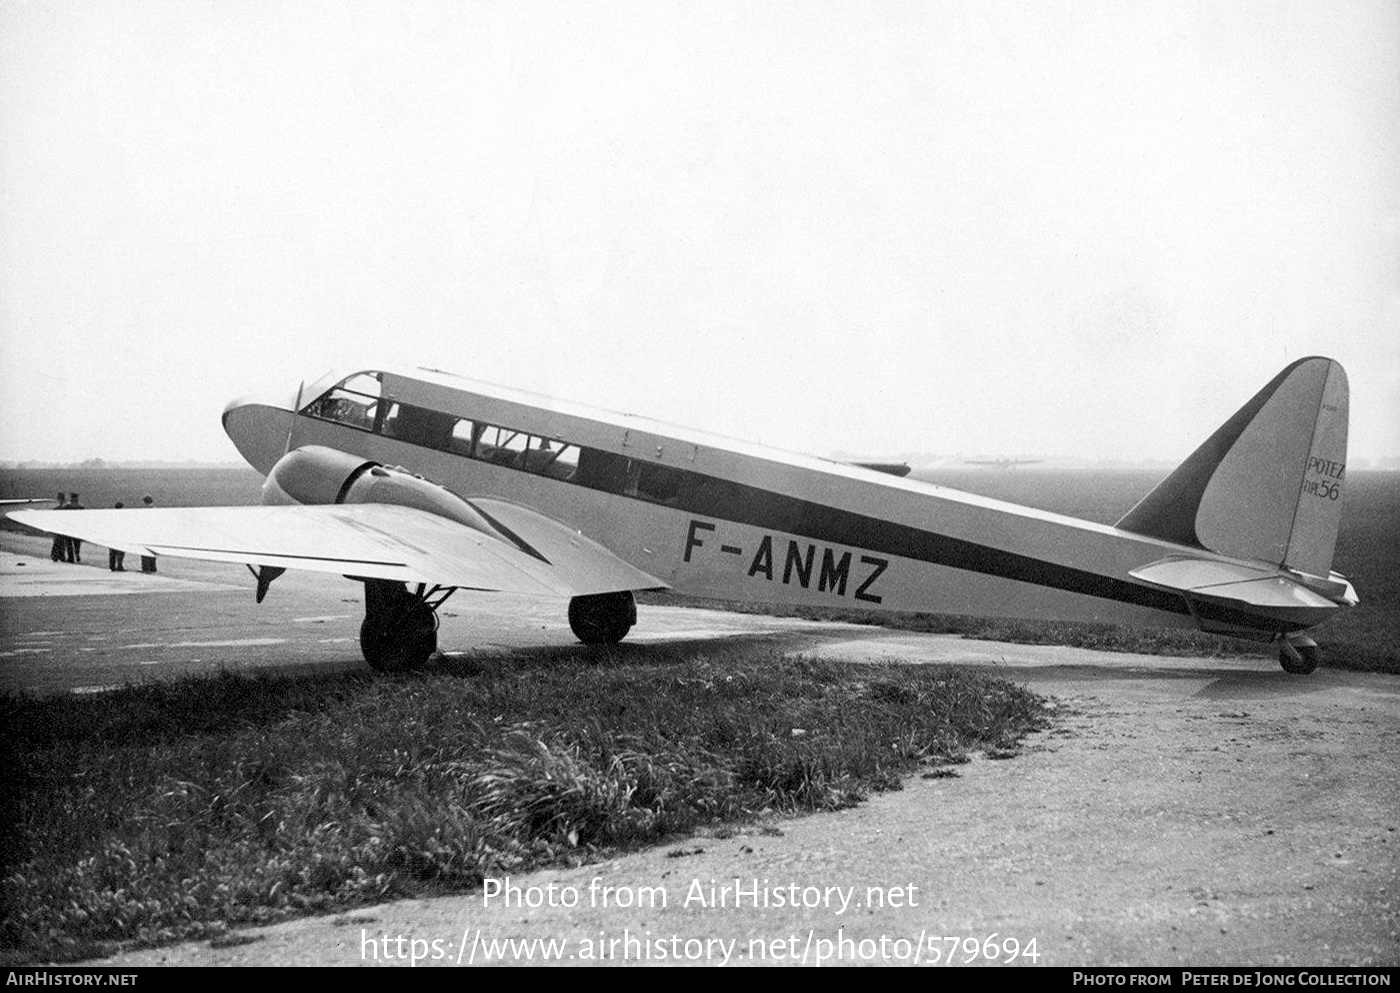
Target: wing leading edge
column 531, row 554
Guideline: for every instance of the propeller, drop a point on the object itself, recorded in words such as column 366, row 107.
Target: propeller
column 292, row 421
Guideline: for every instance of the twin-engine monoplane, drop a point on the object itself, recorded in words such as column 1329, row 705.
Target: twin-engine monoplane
column 416, row 483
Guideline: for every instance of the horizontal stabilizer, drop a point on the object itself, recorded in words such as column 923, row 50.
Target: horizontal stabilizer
column 1270, row 592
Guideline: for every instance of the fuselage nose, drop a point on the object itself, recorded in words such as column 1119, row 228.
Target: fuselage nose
column 258, row 427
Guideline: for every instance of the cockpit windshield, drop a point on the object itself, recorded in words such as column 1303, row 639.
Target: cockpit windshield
column 353, row 402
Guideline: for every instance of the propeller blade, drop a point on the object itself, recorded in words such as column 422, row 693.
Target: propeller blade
column 292, row 422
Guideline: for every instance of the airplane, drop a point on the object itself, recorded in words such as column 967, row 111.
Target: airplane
column 418, row 483
column 1001, row 463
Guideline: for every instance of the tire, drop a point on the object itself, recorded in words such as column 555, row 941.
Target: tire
column 399, row 631
column 396, row 651
column 602, row 618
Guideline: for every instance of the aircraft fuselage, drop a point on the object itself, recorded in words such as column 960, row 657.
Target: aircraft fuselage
column 721, row 518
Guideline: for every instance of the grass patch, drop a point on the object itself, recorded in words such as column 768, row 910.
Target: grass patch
column 175, row 810
column 1370, row 655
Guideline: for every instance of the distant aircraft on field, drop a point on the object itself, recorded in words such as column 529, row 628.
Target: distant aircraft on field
column 1001, row 463
column 410, row 476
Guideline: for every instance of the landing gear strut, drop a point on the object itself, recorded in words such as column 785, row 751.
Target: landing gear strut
column 1297, row 654
column 602, row 618
column 400, row 627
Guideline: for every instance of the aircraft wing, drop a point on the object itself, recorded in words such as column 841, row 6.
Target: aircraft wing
column 529, row 553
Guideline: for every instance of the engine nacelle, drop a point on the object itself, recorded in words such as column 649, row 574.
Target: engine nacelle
column 314, row 474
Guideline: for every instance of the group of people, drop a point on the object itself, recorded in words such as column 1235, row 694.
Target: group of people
column 66, row 549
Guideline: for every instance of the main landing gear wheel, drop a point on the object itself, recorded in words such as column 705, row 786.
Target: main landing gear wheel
column 602, row 618
column 1298, row 655
column 399, row 631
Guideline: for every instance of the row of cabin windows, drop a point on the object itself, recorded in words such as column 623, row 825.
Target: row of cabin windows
column 357, row 403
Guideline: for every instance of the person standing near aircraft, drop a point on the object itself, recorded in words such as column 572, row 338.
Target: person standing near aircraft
column 59, row 553
column 115, row 558
column 148, row 562
column 75, row 545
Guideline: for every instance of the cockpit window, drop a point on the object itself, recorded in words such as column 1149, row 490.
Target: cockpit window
column 354, row 402
column 365, row 383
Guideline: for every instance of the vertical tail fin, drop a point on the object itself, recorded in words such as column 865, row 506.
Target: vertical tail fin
column 1268, row 484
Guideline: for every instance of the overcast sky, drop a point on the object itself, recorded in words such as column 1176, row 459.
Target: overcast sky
column 1084, row 228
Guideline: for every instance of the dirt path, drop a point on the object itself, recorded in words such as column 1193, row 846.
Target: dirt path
column 1183, row 811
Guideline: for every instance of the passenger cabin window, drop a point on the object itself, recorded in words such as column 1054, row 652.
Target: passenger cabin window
column 503, row 446
column 600, row 470
column 463, row 434
column 354, row 402
column 657, row 483
column 550, row 457
column 419, row 426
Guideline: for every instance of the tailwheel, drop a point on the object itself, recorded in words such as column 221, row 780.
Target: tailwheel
column 602, row 618
column 399, row 631
column 1298, row 655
